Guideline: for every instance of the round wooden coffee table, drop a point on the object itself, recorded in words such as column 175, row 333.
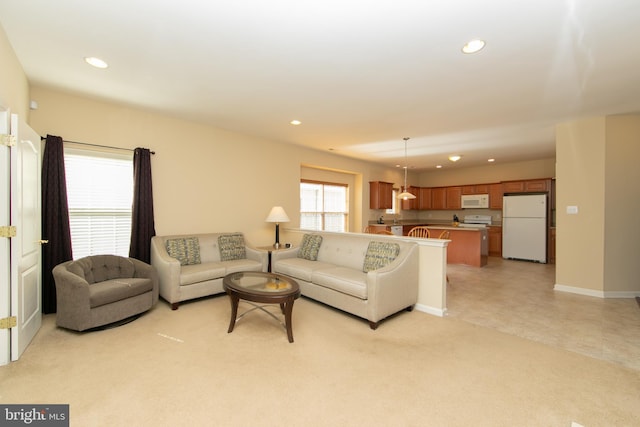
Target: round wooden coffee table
column 265, row 288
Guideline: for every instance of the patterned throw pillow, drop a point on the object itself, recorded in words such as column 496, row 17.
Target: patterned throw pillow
column 186, row 250
column 380, row 254
column 231, row 247
column 310, row 247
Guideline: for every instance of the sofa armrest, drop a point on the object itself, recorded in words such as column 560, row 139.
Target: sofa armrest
column 142, row 269
column 395, row 286
column 283, row 254
column 168, row 270
column 72, row 295
column 258, row 255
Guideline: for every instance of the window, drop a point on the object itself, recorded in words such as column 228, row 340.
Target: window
column 323, row 206
column 100, row 195
column 394, row 203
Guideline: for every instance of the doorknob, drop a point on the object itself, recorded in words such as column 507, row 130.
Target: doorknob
column 42, row 242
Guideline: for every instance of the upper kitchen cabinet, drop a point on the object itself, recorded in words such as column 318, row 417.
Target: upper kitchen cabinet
column 380, row 195
column 527, row 186
column 424, row 198
column 412, row 203
column 495, row 196
column 475, row 189
column 439, row 198
column 454, row 195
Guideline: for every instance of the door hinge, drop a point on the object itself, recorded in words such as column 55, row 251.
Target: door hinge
column 8, row 231
column 8, row 140
column 8, row 322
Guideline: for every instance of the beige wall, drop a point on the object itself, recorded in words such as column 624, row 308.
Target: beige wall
column 14, row 87
column 580, row 149
column 597, row 249
column 622, row 201
column 494, row 172
column 205, row 179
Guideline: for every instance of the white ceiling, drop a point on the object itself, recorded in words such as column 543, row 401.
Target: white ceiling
column 359, row 74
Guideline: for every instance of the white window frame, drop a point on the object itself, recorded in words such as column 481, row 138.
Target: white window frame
column 322, row 212
column 99, row 225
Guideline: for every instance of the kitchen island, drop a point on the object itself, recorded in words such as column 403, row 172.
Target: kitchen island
column 469, row 245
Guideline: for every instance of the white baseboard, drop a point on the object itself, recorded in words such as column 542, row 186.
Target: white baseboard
column 431, row 310
column 594, row 293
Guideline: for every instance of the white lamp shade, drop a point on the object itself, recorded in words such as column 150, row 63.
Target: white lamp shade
column 406, row 196
column 277, row 214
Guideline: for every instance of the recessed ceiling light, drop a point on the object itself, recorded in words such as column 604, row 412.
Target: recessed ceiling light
column 491, row 160
column 295, row 122
column 96, row 62
column 455, row 158
column 438, row 166
column 473, row 46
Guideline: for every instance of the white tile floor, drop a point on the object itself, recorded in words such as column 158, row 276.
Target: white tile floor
column 517, row 297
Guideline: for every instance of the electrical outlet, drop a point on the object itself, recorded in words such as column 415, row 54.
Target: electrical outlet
column 572, row 210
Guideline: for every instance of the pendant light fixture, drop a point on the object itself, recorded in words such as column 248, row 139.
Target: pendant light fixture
column 405, row 195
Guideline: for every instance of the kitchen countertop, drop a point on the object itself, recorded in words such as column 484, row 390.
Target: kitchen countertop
column 428, row 224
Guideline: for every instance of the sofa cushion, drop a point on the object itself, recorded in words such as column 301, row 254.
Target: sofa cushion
column 342, row 279
column 237, row 265
column 310, row 246
column 232, row 247
column 299, row 268
column 380, row 254
column 190, row 274
column 114, row 290
column 186, row 250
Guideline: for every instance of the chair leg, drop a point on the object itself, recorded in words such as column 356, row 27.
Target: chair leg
column 373, row 325
column 175, row 305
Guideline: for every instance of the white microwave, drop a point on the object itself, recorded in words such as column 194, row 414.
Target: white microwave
column 477, row 201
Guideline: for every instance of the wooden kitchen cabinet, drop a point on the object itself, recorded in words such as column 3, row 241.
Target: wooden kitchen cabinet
column 495, row 196
column 412, row 204
column 453, row 195
column 495, row 240
column 439, row 198
column 475, row 189
column 552, row 246
column 380, row 195
column 526, row 186
column 425, row 198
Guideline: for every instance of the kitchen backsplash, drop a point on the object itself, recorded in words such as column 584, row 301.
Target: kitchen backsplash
column 438, row 216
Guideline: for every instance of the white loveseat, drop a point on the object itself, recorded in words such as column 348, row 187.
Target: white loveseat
column 200, row 262
column 370, row 276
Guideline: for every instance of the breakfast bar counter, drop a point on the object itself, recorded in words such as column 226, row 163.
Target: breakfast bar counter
column 469, row 246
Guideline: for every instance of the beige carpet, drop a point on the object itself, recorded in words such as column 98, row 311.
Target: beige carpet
column 182, row 368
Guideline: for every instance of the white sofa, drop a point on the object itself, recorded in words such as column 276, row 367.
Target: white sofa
column 200, row 262
column 337, row 276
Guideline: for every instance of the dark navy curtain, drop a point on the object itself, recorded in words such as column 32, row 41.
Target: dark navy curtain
column 142, row 223
column 55, row 219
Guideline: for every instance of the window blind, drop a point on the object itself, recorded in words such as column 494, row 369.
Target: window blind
column 100, row 195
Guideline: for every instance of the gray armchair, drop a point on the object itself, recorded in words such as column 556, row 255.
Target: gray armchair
column 102, row 289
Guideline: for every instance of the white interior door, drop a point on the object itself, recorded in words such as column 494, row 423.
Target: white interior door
column 5, row 251
column 26, row 277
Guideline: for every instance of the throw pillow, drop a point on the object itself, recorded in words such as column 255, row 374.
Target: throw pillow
column 380, row 254
column 310, row 247
column 231, row 247
column 186, row 250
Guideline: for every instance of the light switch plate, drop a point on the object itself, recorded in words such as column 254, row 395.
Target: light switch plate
column 572, row 210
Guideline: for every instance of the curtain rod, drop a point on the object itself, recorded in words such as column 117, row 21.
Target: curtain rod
column 96, row 145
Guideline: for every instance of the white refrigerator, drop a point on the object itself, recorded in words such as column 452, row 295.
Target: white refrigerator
column 524, row 227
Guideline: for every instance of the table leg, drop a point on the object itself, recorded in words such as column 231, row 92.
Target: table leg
column 288, row 309
column 234, row 311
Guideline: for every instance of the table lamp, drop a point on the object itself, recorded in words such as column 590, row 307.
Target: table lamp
column 277, row 215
